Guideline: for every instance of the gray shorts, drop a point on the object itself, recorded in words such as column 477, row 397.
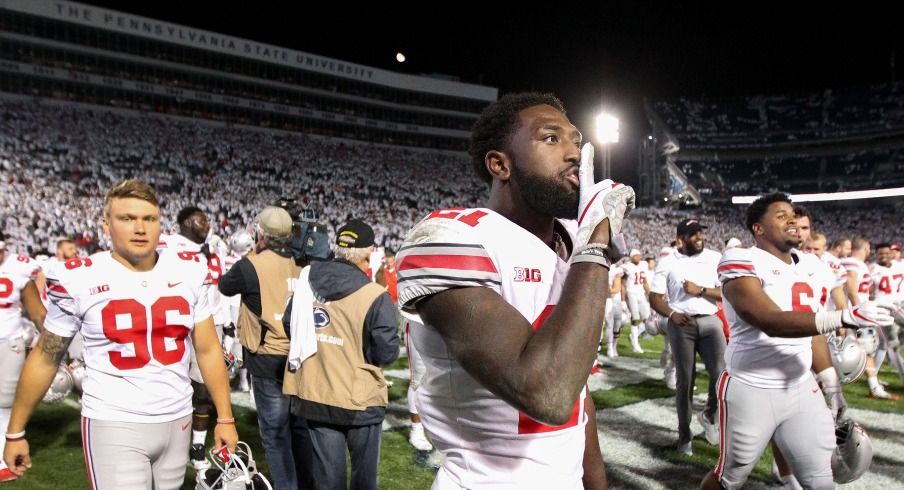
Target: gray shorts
column 797, row 418
column 136, row 456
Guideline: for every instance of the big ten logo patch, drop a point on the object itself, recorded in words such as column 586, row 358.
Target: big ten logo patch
column 525, row 274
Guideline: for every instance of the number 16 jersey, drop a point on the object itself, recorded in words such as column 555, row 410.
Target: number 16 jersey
column 136, row 327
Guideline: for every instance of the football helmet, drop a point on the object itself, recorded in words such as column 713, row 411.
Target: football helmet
column 76, row 370
column 848, row 357
column 853, row 452
column 29, row 333
column 658, row 326
column 241, row 242
column 869, row 339
column 232, row 364
column 60, row 387
column 231, row 471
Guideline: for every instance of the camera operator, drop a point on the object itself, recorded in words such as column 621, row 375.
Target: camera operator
column 265, row 281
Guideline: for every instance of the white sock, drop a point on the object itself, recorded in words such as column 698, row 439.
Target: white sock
column 790, row 482
column 873, row 382
column 198, row 436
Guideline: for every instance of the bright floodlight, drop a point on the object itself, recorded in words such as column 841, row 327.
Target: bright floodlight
column 607, row 128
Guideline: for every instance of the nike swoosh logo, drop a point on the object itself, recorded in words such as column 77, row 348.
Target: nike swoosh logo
column 814, row 391
column 172, row 285
column 185, row 426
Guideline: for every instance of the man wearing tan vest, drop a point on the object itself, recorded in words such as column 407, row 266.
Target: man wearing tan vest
column 266, row 280
column 347, row 327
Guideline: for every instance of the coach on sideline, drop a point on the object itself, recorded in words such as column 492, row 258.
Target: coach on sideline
column 689, row 276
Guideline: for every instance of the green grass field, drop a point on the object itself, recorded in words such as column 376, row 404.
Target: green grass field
column 631, row 387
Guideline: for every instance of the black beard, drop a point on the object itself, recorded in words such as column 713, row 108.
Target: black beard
column 546, row 195
column 690, row 248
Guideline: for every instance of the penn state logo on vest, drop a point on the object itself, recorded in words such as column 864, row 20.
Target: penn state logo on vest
column 321, row 317
column 322, row 320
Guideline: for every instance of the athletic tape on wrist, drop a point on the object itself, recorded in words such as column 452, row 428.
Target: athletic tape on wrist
column 828, row 321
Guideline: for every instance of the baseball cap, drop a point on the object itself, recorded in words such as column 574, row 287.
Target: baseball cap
column 895, row 246
column 355, row 234
column 634, row 252
column 689, row 227
column 275, row 221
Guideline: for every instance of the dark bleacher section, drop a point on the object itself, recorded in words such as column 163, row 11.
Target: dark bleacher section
column 830, row 141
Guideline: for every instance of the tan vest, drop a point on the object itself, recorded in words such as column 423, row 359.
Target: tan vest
column 337, row 374
column 265, row 334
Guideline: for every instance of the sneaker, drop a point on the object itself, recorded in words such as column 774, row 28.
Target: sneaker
column 419, row 440
column 595, row 369
column 879, row 393
column 196, row 457
column 637, row 349
column 710, row 429
column 686, row 449
column 671, row 378
column 6, row 475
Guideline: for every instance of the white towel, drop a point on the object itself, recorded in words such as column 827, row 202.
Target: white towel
column 301, row 326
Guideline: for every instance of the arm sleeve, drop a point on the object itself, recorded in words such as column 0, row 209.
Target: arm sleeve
column 233, row 282
column 383, row 331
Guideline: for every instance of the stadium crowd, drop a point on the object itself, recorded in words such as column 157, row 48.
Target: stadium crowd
column 56, row 160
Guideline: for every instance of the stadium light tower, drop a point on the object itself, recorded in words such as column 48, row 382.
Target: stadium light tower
column 606, row 134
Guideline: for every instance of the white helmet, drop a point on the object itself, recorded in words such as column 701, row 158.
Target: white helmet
column 869, row 339
column 853, row 452
column 241, row 242
column 76, row 369
column 231, row 471
column 657, row 326
column 60, row 387
column 233, row 364
column 848, row 357
column 29, row 333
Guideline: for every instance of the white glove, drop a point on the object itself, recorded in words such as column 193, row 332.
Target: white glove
column 601, row 200
column 831, row 385
column 868, row 314
column 839, row 405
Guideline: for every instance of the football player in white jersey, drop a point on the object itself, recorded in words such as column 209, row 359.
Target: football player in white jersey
column 816, row 245
column 18, row 291
column 141, row 313
column 772, row 300
column 826, row 277
column 888, row 286
column 194, row 228
column 859, row 283
column 615, row 314
column 512, row 305
column 637, row 285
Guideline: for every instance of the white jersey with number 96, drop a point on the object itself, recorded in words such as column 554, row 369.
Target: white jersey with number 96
column 136, row 327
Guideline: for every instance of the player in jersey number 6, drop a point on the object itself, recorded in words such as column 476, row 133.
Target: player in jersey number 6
column 136, row 310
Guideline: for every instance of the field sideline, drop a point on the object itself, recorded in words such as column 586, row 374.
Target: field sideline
column 635, row 416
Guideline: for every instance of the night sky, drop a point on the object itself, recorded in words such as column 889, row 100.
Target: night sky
column 601, row 55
